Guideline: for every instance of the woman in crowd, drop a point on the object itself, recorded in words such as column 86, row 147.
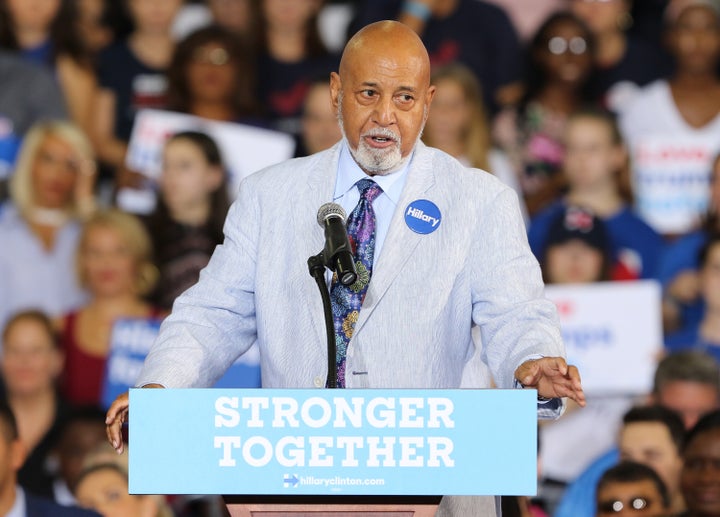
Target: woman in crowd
column 560, row 63
column 187, row 223
column 131, row 76
column 595, row 170
column 31, row 364
column 457, row 124
column 47, row 33
column 291, row 55
column 624, row 62
column 212, row 75
column 51, row 191
column 678, row 270
column 114, row 265
column 673, row 127
column 103, row 487
column 704, row 335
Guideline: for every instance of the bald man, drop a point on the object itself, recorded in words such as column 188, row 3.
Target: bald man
column 450, row 252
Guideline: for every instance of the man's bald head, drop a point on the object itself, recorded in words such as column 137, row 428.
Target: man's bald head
column 385, row 38
column 382, row 95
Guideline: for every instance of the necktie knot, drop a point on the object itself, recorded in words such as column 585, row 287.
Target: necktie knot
column 368, row 189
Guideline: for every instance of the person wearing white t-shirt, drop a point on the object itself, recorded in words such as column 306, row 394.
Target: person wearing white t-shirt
column 673, row 127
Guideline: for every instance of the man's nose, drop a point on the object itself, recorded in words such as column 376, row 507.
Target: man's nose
column 385, row 112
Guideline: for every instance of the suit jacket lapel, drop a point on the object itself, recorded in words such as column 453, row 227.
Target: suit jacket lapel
column 400, row 242
column 309, row 236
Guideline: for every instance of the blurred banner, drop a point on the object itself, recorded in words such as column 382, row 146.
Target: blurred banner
column 612, row 332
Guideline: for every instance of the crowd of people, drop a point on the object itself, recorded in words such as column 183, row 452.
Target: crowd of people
column 602, row 115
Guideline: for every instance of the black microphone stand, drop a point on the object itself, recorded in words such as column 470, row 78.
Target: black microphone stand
column 316, row 265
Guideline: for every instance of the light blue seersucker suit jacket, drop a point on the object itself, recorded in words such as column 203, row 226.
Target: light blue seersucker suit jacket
column 426, row 291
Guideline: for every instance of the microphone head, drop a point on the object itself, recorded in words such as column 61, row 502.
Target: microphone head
column 330, row 210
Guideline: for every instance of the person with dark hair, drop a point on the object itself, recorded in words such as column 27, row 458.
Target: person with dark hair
column 559, row 66
column 131, row 76
column 47, row 34
column 576, row 248
column 625, row 63
column 704, row 335
column 630, row 489
column 14, row 500
column 654, row 436
column 291, row 54
column 81, row 433
column 700, row 478
column 596, row 171
column 187, row 223
column 673, row 126
column 212, row 75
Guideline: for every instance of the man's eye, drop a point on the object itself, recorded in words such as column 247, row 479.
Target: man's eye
column 369, row 93
column 406, row 98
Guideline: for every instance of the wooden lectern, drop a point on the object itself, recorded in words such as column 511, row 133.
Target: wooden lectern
column 323, row 453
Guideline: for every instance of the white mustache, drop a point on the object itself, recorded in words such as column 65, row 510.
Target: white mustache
column 382, row 132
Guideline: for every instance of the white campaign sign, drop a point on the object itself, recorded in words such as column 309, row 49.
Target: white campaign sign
column 245, row 149
column 612, row 333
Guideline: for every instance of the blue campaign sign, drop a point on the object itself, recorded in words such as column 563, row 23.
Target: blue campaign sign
column 333, row 442
column 130, row 342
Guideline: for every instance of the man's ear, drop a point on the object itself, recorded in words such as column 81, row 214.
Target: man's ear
column 335, row 87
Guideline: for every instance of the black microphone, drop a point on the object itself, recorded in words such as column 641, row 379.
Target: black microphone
column 337, row 254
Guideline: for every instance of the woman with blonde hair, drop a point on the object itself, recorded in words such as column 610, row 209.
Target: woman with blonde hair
column 114, row 265
column 51, row 190
column 458, row 123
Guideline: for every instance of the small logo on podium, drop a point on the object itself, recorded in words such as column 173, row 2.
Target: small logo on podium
column 290, row 481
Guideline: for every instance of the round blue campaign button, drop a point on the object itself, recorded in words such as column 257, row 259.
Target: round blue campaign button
column 422, row 216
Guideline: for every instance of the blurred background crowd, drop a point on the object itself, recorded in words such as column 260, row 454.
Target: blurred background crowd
column 603, row 116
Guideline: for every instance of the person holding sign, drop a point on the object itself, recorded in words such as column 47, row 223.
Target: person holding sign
column 440, row 248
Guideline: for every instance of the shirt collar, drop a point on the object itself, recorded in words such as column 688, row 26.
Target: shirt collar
column 349, row 173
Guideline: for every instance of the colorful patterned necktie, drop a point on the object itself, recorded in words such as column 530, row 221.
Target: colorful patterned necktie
column 347, row 300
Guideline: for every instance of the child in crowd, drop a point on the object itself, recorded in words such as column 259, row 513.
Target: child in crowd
column 188, row 220
column 114, row 264
column 51, row 191
column 576, row 249
column 595, row 169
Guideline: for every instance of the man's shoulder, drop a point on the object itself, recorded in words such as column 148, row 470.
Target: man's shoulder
column 294, row 169
column 39, row 507
column 454, row 174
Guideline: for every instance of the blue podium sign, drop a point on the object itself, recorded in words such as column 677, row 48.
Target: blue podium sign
column 333, row 442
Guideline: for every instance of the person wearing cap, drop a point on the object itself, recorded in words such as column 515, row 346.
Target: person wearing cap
column 576, row 248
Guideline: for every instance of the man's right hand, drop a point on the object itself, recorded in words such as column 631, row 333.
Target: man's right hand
column 116, row 416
